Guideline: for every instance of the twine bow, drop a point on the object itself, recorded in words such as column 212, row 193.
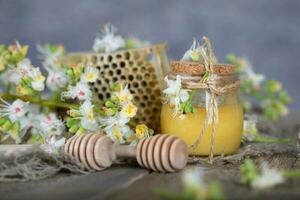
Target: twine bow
column 208, row 82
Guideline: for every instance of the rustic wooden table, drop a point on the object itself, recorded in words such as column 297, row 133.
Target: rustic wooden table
column 131, row 182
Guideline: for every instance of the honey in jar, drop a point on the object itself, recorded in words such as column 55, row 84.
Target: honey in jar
column 188, row 125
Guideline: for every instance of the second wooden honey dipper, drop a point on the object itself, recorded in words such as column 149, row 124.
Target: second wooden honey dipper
column 161, row 153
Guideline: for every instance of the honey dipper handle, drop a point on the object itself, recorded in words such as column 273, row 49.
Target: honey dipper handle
column 125, row 151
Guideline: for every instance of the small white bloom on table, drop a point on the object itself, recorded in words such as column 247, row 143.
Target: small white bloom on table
column 193, row 180
column 269, row 177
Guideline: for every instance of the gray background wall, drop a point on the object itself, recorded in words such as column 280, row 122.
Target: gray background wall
column 267, row 32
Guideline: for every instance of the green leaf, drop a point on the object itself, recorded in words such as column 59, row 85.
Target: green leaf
column 231, row 58
column 248, row 171
column 74, row 129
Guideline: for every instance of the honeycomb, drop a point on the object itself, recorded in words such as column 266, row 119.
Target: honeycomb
column 142, row 69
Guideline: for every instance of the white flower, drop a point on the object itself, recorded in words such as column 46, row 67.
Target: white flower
column 24, row 67
column 249, row 127
column 38, row 79
column 87, row 119
column 193, row 179
column 193, row 53
column 30, row 121
column 128, row 110
column 118, row 120
column 56, row 80
column 51, row 125
column 108, row 41
column 116, row 128
column 81, row 91
column 117, row 133
column 50, row 55
column 90, row 75
column 175, row 93
column 124, row 95
column 269, row 178
column 52, row 145
column 248, row 73
column 14, row 111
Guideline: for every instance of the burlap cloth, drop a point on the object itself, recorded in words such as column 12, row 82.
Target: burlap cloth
column 34, row 164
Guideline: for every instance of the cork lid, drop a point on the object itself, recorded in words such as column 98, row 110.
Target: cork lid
column 196, row 68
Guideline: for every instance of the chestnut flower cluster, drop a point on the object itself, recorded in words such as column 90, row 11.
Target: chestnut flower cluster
column 271, row 98
column 29, row 106
column 24, row 118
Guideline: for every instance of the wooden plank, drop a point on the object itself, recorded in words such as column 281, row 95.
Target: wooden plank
column 227, row 176
column 123, row 182
column 73, row 187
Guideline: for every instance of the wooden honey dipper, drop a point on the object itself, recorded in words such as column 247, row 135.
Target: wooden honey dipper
column 161, row 153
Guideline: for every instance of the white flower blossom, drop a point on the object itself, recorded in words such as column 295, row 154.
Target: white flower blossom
column 124, row 95
column 38, row 79
column 51, row 125
column 128, row 110
column 115, row 127
column 52, row 145
column 87, row 119
column 29, row 122
column 14, row 111
column 193, row 179
column 248, row 73
column 56, row 80
column 269, row 178
column 108, row 41
column 193, row 52
column 175, row 93
column 24, row 67
column 81, row 91
column 50, row 56
column 90, row 75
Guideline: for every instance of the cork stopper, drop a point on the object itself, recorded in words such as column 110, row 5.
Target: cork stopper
column 196, row 68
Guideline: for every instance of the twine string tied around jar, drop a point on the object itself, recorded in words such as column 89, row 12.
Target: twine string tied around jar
column 209, row 83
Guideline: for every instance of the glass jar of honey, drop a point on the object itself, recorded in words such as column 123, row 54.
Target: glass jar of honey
column 185, row 113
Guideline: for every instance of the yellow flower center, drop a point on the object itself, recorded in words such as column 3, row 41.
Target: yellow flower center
column 90, row 115
column 141, row 131
column 130, row 110
column 124, row 98
column 117, row 133
column 90, row 76
column 39, row 77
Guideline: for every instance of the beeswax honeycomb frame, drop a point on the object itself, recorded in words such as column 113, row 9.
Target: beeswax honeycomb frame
column 143, row 69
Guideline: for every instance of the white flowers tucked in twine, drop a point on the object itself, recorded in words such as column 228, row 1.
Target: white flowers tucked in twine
column 175, row 94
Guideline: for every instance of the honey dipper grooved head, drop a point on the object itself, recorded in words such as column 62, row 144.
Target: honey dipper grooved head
column 162, row 153
column 93, row 150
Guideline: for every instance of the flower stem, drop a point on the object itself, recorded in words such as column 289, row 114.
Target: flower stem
column 38, row 101
column 270, row 140
column 292, row 173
